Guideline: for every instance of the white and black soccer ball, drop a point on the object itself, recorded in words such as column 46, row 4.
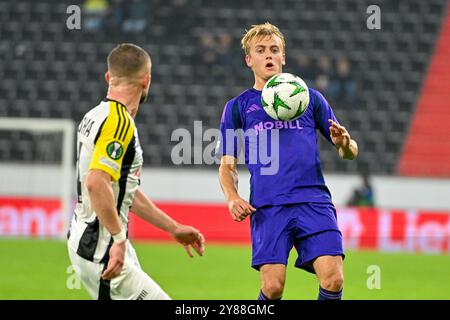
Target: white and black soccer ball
column 285, row 97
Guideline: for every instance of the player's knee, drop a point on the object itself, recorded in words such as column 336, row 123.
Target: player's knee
column 334, row 282
column 273, row 289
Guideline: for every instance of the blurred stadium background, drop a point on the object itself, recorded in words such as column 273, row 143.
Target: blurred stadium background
column 389, row 87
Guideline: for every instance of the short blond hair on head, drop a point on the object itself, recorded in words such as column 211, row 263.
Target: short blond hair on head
column 258, row 30
column 127, row 60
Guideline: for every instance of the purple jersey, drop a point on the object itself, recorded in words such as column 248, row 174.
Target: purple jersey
column 299, row 177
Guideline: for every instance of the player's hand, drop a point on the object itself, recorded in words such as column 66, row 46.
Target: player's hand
column 189, row 236
column 339, row 135
column 240, row 209
column 116, row 260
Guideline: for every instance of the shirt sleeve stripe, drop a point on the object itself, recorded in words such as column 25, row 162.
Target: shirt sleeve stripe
column 120, row 120
column 128, row 127
column 126, row 119
column 99, row 131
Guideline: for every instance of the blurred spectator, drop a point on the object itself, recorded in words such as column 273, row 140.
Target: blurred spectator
column 364, row 195
column 136, row 15
column 343, row 85
column 322, row 84
column 304, row 69
column 94, row 15
column 324, row 75
column 324, row 66
column 225, row 56
column 355, row 198
column 116, row 15
column 208, row 53
column 180, row 19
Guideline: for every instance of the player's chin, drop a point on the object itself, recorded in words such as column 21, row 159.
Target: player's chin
column 270, row 72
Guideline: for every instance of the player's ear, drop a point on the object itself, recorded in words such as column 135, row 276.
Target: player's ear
column 107, row 76
column 147, row 80
column 248, row 60
column 283, row 62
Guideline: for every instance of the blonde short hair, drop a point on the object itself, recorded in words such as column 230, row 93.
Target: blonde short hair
column 258, row 30
column 127, row 60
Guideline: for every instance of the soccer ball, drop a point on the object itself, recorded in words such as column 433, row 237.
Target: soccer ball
column 285, row 97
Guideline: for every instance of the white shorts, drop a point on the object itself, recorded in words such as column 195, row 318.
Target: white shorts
column 131, row 284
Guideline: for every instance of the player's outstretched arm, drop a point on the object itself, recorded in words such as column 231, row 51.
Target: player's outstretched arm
column 228, row 177
column 185, row 235
column 98, row 184
column 347, row 147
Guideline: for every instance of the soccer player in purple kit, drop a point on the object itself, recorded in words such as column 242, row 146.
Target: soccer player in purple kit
column 293, row 207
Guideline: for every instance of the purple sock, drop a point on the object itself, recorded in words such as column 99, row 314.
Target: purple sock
column 329, row 295
column 262, row 296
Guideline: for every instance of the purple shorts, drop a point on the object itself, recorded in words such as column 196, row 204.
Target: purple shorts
column 309, row 227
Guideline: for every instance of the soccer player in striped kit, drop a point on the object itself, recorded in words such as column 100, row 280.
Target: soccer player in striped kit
column 108, row 169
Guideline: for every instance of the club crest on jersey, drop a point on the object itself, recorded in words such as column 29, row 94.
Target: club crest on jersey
column 114, row 150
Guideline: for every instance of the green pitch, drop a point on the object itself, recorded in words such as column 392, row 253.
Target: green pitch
column 37, row 269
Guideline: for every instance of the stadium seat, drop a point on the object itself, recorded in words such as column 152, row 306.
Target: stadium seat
column 60, row 72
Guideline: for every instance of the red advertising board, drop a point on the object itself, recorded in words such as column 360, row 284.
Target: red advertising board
column 27, row 217
column 213, row 220
column 395, row 230
column 362, row 228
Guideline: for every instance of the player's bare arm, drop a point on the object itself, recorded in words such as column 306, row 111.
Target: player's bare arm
column 98, row 184
column 347, row 147
column 186, row 235
column 228, row 177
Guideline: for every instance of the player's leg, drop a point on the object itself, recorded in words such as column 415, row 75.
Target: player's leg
column 273, row 278
column 320, row 248
column 322, row 254
column 88, row 272
column 330, row 273
column 272, row 240
column 133, row 283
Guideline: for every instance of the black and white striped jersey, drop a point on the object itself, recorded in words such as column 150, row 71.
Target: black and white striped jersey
column 107, row 139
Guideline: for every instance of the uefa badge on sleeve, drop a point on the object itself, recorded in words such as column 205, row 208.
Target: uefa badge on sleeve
column 114, row 150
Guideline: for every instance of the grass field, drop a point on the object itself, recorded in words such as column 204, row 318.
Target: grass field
column 37, row 269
